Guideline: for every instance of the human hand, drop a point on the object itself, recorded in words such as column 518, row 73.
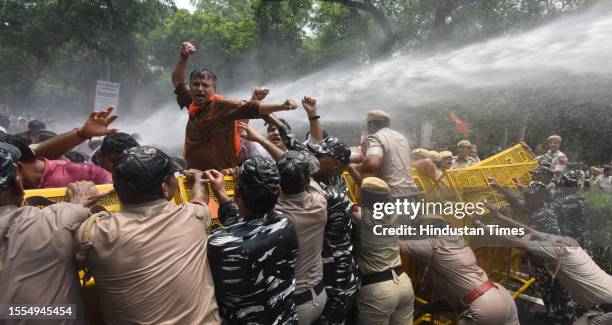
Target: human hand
column 260, row 93
column 187, row 50
column 97, row 124
column 251, row 133
column 217, row 180
column 310, row 105
column 289, row 105
column 81, row 192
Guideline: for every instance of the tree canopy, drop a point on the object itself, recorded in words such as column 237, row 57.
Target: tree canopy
column 53, row 51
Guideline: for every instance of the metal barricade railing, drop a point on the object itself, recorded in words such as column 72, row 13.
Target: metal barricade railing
column 455, row 185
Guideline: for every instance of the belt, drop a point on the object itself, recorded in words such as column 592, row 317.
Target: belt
column 474, row 294
column 306, row 296
column 385, row 275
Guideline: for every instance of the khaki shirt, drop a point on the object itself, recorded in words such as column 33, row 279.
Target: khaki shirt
column 375, row 253
column 36, row 257
column 150, row 266
column 394, row 149
column 463, row 163
column 210, row 135
column 454, row 268
column 308, row 213
column 585, row 281
column 558, row 160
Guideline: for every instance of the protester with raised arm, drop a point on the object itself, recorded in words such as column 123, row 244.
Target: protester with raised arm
column 211, row 138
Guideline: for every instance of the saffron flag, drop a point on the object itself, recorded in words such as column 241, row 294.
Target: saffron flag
column 461, row 126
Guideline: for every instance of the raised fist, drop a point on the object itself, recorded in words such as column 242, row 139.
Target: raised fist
column 187, row 50
column 310, row 105
column 290, row 105
column 260, row 93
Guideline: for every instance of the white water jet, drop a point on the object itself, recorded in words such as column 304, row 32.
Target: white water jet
column 551, row 56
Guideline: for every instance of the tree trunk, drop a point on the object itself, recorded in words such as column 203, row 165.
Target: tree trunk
column 380, row 18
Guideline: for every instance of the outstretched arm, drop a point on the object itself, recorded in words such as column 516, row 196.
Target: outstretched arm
column 267, row 108
column 510, row 195
column 495, row 213
column 179, row 73
column 96, row 125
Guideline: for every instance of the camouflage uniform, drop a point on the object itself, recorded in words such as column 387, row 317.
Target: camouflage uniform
column 557, row 160
column 571, row 210
column 340, row 272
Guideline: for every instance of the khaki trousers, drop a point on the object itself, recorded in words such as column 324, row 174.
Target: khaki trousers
column 389, row 302
column 312, row 310
column 494, row 307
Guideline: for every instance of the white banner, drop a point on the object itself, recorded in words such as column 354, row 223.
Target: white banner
column 107, row 94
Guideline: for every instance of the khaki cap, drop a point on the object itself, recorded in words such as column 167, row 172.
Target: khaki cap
column 422, row 153
column 435, row 156
column 554, row 138
column 377, row 115
column 445, row 154
column 464, row 143
column 375, row 185
column 428, row 219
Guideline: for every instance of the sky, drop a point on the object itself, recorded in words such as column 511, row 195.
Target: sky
column 184, row 4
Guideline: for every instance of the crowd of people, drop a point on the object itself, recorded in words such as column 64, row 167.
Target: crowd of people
column 292, row 249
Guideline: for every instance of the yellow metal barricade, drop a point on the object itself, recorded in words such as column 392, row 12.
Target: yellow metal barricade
column 110, row 202
column 455, row 185
column 514, row 155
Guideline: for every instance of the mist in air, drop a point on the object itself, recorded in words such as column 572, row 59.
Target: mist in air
column 571, row 56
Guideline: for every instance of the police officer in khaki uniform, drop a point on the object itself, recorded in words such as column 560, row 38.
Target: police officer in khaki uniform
column 446, row 160
column 458, row 279
column 436, row 157
column 387, row 155
column 36, row 245
column 554, row 157
column 386, row 295
column 420, row 153
column 463, row 160
column 586, row 282
column 149, row 260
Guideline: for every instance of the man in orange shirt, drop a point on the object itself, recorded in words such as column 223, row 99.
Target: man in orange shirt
column 211, row 137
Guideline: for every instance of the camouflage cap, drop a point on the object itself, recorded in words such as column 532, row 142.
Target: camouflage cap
column 536, row 187
column 570, row 178
column 9, row 156
column 142, row 167
column 332, row 147
column 554, row 137
column 259, row 175
column 295, row 166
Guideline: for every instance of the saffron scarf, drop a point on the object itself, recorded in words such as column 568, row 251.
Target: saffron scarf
column 194, row 109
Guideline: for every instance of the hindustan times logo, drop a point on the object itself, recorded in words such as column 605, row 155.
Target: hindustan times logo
column 412, row 209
